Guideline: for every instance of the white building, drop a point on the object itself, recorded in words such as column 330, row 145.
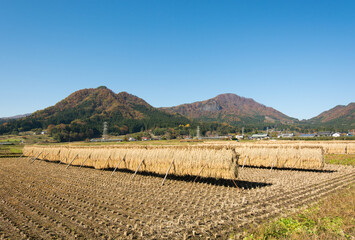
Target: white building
column 337, row 134
column 286, row 135
column 239, row 136
column 260, row 136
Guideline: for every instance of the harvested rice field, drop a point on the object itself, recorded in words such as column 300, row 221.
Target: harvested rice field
column 46, row 200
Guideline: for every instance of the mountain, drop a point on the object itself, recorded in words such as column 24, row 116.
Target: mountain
column 6, row 119
column 93, row 103
column 16, row 117
column 84, row 112
column 82, row 115
column 231, row 108
column 101, row 104
column 340, row 115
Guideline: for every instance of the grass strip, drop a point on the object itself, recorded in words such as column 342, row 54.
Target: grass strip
column 331, row 218
column 340, row 159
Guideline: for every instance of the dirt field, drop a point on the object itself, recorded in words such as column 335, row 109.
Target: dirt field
column 45, row 200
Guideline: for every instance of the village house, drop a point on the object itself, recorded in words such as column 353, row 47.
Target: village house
column 337, row 134
column 306, row 135
column 260, row 136
column 286, row 135
column 324, row 134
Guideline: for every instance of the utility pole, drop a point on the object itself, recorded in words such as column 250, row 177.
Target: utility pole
column 243, row 132
column 104, row 133
column 198, row 132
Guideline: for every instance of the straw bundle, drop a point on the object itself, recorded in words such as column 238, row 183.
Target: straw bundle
column 350, row 148
column 216, row 162
column 334, row 148
column 330, row 147
column 282, row 157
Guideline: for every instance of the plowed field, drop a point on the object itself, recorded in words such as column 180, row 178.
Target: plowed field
column 46, row 200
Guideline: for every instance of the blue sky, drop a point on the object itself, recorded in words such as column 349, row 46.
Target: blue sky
column 295, row 56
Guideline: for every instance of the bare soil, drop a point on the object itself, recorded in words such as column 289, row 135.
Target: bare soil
column 44, row 200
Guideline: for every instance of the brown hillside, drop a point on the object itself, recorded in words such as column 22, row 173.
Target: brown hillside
column 339, row 113
column 97, row 102
column 229, row 107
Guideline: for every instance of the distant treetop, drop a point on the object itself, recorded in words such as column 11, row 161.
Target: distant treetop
column 102, row 87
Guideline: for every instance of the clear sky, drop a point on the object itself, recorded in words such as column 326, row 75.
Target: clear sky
column 295, row 56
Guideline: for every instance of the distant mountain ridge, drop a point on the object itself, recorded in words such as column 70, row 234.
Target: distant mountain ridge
column 81, row 115
column 102, row 104
column 340, row 115
column 230, row 108
column 17, row 116
column 85, row 111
